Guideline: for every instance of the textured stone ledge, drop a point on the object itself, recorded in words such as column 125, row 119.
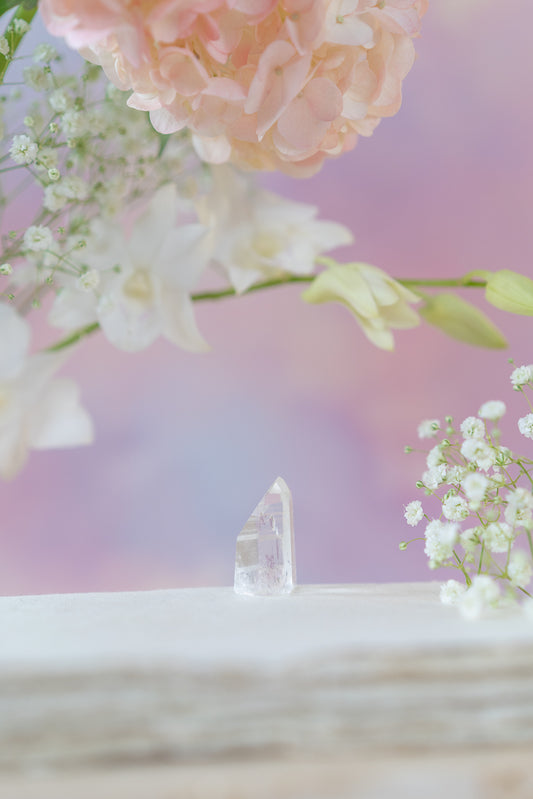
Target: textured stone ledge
column 204, row 676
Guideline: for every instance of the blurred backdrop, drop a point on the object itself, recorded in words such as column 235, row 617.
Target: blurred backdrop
column 187, row 444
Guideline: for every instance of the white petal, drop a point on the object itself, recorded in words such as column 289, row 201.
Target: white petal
column 106, row 247
column 179, row 324
column 351, row 32
column 184, row 255
column 73, row 308
column 127, row 324
column 15, row 336
column 242, row 278
column 152, row 226
column 59, row 420
column 328, row 235
column 13, row 450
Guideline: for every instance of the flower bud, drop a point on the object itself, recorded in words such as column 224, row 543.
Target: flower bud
column 511, row 292
column 462, row 320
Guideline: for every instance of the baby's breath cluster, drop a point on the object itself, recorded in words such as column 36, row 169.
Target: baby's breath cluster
column 91, row 157
column 483, row 493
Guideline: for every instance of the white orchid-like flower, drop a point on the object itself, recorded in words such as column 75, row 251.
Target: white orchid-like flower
column 378, row 302
column 138, row 286
column 257, row 235
column 36, row 411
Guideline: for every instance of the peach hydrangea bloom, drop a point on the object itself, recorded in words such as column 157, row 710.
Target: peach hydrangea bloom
column 265, row 84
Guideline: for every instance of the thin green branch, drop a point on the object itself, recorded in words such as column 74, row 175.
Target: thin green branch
column 458, row 283
column 82, row 332
column 211, row 296
column 266, row 284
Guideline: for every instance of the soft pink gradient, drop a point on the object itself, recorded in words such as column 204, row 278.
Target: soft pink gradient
column 187, row 444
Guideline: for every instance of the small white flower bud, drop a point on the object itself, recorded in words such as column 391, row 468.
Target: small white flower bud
column 89, row 280
column 21, row 26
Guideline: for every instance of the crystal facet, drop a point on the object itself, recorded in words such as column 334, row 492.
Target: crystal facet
column 264, row 561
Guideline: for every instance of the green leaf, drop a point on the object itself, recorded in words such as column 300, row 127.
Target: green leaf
column 6, row 5
column 462, row 320
column 511, row 292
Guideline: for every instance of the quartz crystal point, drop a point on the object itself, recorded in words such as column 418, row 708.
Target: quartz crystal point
column 264, row 561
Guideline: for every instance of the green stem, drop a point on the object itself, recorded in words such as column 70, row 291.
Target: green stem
column 525, row 471
column 267, row 284
column 481, row 557
column 462, row 568
column 530, row 541
column 74, row 337
column 458, row 283
column 14, row 39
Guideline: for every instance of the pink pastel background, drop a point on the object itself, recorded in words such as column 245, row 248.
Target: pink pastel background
column 187, row 444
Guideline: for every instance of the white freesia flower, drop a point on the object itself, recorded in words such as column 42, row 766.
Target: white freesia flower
column 36, row 411
column 257, row 235
column 148, row 296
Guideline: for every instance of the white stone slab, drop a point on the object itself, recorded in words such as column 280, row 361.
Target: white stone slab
column 213, row 627
column 203, row 675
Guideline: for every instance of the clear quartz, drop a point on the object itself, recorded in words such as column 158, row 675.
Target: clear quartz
column 264, row 560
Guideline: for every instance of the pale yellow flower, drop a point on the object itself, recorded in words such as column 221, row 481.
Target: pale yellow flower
column 379, row 303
